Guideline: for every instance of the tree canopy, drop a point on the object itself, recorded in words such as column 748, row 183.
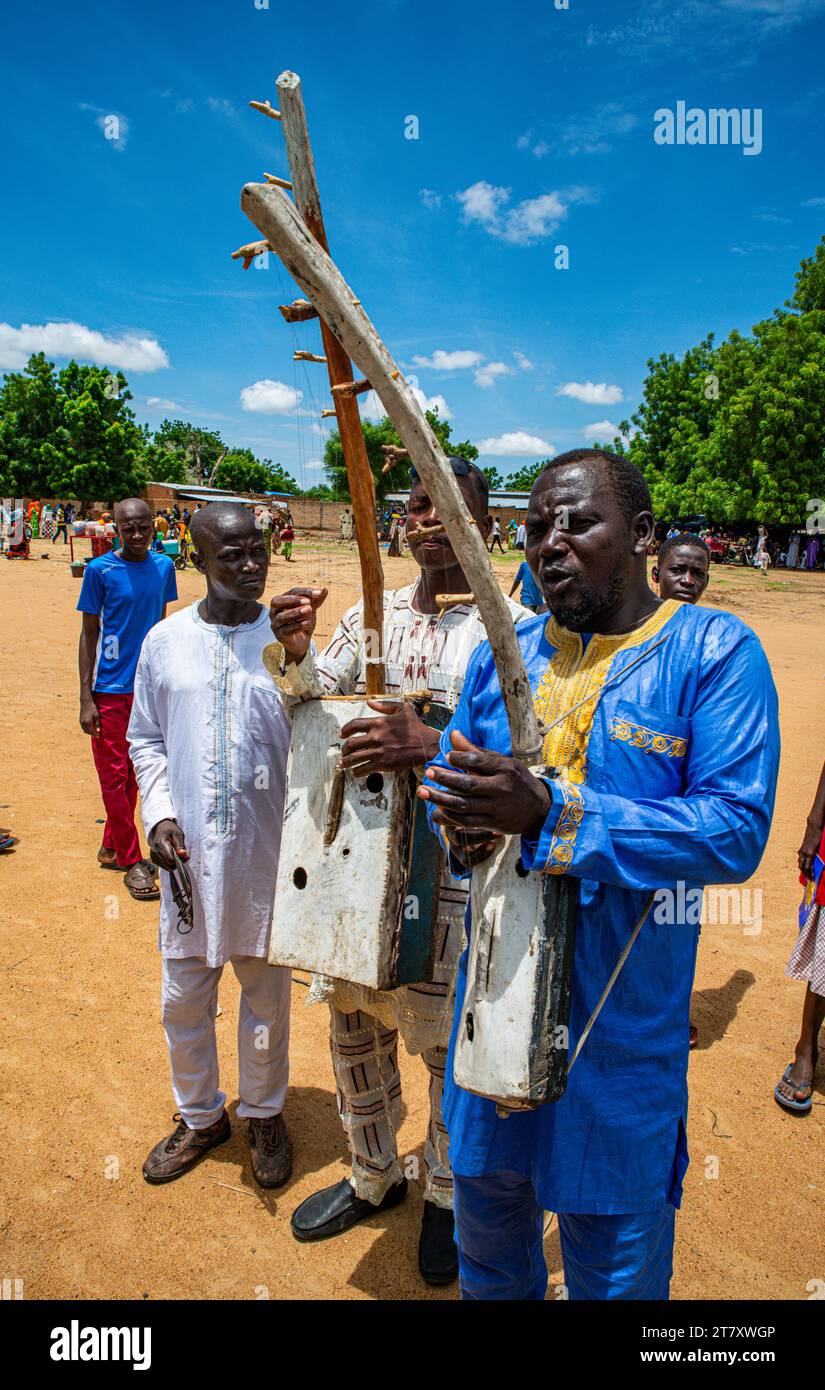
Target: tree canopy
column 72, row 433
column 736, row 431
column 375, row 436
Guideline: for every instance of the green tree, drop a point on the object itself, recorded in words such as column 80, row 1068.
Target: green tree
column 737, row 431
column 199, row 451
column 375, row 436
column 241, row 471
column 69, row 434
column 493, row 477
column 30, row 417
column 523, row 479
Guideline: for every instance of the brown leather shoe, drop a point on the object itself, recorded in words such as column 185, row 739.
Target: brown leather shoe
column 271, row 1151
column 180, row 1151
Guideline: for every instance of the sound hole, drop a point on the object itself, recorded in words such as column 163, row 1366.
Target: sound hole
column 375, row 782
column 470, row 1027
column 520, row 870
column 299, row 878
column 345, row 852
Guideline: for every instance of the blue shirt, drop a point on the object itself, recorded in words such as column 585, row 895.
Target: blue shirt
column 531, row 595
column 671, row 786
column 129, row 597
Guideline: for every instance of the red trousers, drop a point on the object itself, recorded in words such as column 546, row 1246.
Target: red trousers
column 118, row 783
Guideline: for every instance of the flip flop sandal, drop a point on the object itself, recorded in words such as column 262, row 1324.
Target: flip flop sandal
column 795, row 1107
column 8, row 842
column 149, row 877
column 108, row 863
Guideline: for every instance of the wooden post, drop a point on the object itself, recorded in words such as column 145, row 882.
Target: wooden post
column 321, row 281
column 359, row 473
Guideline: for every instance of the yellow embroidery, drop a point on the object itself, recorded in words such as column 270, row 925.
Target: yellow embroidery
column 563, row 843
column 647, row 739
column 572, row 676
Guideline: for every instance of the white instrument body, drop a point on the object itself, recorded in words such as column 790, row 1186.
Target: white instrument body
column 513, row 1030
column 339, row 906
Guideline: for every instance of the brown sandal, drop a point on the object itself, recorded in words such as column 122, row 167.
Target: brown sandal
column 147, row 877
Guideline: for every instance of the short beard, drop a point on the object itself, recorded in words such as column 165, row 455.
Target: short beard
column 590, row 606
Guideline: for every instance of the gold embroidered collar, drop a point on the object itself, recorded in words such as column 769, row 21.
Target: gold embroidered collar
column 575, row 673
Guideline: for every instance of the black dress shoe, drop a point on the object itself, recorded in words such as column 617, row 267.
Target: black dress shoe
column 334, row 1209
column 437, row 1253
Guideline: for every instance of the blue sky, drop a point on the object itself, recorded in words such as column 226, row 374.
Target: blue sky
column 535, row 129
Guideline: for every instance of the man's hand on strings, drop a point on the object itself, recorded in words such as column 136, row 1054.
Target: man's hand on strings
column 481, row 790
column 471, row 847
column 397, row 740
column 292, row 616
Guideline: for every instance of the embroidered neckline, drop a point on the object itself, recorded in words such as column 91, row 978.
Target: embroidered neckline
column 575, row 673
column 563, row 639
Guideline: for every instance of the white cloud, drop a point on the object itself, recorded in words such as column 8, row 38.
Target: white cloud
column 814, row 203
column 488, row 374
column 270, row 398
column 516, row 444
column 525, row 223
column 591, row 392
column 603, row 429
column 372, row 409
column 524, row 362
column 221, row 104
column 128, row 351
column 540, row 149
column 450, row 361
column 161, row 403
column 429, row 197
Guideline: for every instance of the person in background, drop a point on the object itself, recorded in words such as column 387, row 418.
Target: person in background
column 762, row 558
column 209, row 739
column 512, row 530
column 495, row 539
column 123, row 595
column 795, row 1090
column 287, row 536
column 531, row 595
column 521, row 536
column 161, row 525
column 60, row 524
column 69, row 513
column 683, row 568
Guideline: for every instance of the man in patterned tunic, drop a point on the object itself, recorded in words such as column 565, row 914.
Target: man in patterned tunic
column 423, row 649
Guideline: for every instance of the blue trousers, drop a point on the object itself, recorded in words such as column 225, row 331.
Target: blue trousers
column 499, row 1233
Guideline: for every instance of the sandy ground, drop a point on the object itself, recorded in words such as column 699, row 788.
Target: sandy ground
column 85, row 1089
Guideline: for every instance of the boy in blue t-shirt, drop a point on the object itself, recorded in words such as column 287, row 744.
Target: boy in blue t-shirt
column 123, row 595
column 531, row 595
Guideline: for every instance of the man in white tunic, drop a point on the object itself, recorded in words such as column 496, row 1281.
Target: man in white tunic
column 208, row 737
column 423, row 649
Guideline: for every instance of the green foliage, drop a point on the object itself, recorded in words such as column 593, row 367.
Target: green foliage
column 376, row 435
column 241, row 471
column 523, row 479
column 72, row 434
column 68, row 434
column 494, row 478
column 737, row 431
column 195, row 450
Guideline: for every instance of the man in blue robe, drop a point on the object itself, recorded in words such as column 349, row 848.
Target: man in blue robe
column 667, row 781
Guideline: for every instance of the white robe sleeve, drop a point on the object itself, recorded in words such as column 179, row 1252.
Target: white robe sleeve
column 147, row 748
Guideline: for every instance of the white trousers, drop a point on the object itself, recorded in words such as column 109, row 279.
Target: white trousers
column 189, row 1009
